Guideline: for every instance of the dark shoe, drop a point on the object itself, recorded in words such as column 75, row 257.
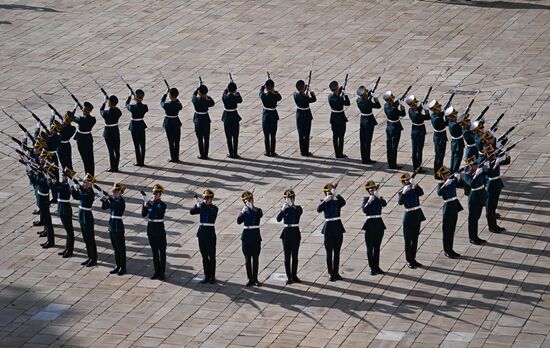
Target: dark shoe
column 450, row 255
column 411, row 265
column 249, row 283
column 110, row 170
column 213, row 281
column 332, row 278
column 499, row 229
column 267, row 154
column 237, row 156
column 497, row 215
column 295, row 279
column 455, row 255
column 62, row 252
column 338, row 277
column 204, row 281
column 369, row 161
column 174, row 160
column 36, row 212
column 161, row 277
column 379, row 271
column 475, row 241
column 417, row 264
column 257, row 283
column 289, row 281
column 43, row 234
column 274, row 154
column 372, row 271
column 37, row 223
column 122, row 271
column 85, row 262
column 421, row 170
column 67, row 254
column 114, row 270
column 92, row 263
column 395, row 167
column 47, row 245
column 482, row 241
column 155, row 276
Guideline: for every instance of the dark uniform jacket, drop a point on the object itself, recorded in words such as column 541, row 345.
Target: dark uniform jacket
column 85, row 124
column 201, row 105
column 365, row 106
column 63, row 191
column 86, row 198
column 451, row 204
column 290, row 216
column 440, row 134
column 337, row 103
column 208, row 214
column 410, row 200
column 251, row 217
column 231, row 102
column 116, row 207
column 493, row 181
column 471, row 146
column 332, row 210
column 154, row 211
column 455, row 130
column 393, row 113
column 171, row 109
column 67, row 132
column 302, row 101
column 374, row 208
column 43, row 189
column 111, row 117
column 138, row 112
column 269, row 100
column 417, row 118
column 477, row 195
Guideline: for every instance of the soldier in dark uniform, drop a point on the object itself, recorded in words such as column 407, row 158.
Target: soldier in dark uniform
column 52, row 146
column 394, row 111
column 85, row 194
column 251, row 239
column 137, row 125
column 457, row 139
column 84, row 139
column 468, row 135
column 446, row 189
column 65, row 212
column 116, row 206
column 290, row 215
column 111, row 132
column 303, row 97
column 155, row 209
column 494, row 186
column 231, row 118
column 409, row 197
column 201, row 119
column 418, row 114
column 172, row 123
column 474, row 177
column 206, row 234
column 64, row 151
column 270, row 117
column 337, row 100
column 333, row 230
column 440, row 134
column 366, row 102
column 43, row 184
column 374, row 225
column 478, row 129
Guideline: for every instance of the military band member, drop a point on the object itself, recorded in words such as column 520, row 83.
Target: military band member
column 374, row 225
column 231, row 99
column 64, row 151
column 366, row 102
column 475, row 178
column 137, row 125
column 43, row 191
column 84, row 139
column 440, row 134
column 270, row 117
column 172, row 123
column 394, row 111
column 251, row 239
column 116, row 206
column 457, row 139
column 207, row 234
column 154, row 209
column 412, row 218
column 303, row 97
column 446, row 189
column 333, row 229
column 418, row 114
column 85, row 194
column 64, row 211
column 290, row 215
column 494, row 186
column 201, row 119
column 111, row 132
column 337, row 100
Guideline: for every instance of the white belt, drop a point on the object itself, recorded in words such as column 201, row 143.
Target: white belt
column 59, row 200
column 251, row 227
column 450, row 200
column 269, row 109
column 440, row 130
column 495, row 178
column 112, row 125
column 412, row 209
column 478, row 188
column 299, row 108
column 392, row 121
column 337, row 111
column 156, row 220
column 471, row 145
column 373, row 216
column 42, row 194
column 64, row 141
column 171, row 116
column 206, row 224
column 365, row 115
column 201, row 113
column 292, row 225
column 229, row 110
column 457, row 138
column 137, row 119
column 333, row 219
column 84, row 208
column 116, row 217
column 417, row 124
column 81, row 132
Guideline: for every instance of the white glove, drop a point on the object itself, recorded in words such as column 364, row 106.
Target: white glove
column 371, row 198
column 37, row 125
column 412, row 181
column 499, row 144
column 53, row 113
column 199, row 202
column 106, row 99
column 75, row 105
column 478, row 171
column 249, row 204
column 447, row 182
column 288, row 201
column 377, row 194
column 507, row 153
column 311, row 91
column 333, row 192
column 27, row 168
column 406, row 188
column 457, row 176
column 425, row 106
column 145, row 200
column 498, row 160
column 328, row 198
column 285, row 205
column 244, row 209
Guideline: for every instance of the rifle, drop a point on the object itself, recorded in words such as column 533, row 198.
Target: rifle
column 345, row 84
column 127, row 85
column 427, row 95
column 230, row 77
column 164, row 79
column 450, row 100
column 55, row 112
column 72, row 95
column 35, row 117
column 480, row 116
column 19, row 142
column 101, row 88
column 200, row 80
column 371, row 92
column 511, row 129
column 29, row 135
column 494, row 126
column 268, row 75
column 406, row 92
column 308, row 81
column 467, row 111
column 500, row 152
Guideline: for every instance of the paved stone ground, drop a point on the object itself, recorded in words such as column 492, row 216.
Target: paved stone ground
column 496, row 295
